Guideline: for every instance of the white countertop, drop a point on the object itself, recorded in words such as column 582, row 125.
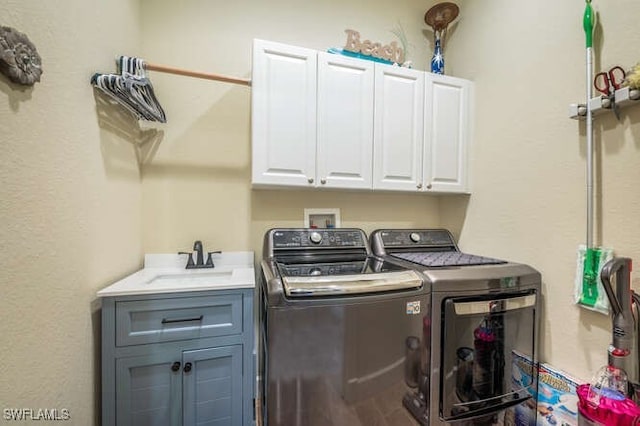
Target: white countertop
column 166, row 273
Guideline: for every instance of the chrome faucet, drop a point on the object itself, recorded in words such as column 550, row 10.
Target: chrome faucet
column 199, row 263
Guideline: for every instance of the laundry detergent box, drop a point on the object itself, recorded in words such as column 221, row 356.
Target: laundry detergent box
column 555, row 403
column 557, row 397
column 522, row 377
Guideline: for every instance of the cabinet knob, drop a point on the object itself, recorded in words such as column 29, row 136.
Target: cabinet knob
column 310, row 180
column 175, row 366
column 187, row 367
column 419, row 186
column 323, row 181
column 429, row 186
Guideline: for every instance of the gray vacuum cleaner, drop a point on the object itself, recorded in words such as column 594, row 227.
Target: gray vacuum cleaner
column 623, row 351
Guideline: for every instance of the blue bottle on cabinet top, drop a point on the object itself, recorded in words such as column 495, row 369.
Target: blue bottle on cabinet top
column 437, row 61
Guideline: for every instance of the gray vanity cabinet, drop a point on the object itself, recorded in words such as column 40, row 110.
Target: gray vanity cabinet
column 178, row 359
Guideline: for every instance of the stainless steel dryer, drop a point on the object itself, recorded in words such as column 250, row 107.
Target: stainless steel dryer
column 484, row 316
column 335, row 324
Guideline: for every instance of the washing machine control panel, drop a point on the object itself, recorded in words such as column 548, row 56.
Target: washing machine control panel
column 315, row 238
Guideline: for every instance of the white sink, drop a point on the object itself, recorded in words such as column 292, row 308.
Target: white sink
column 165, row 273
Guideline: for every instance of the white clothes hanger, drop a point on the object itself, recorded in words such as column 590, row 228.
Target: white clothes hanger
column 132, row 88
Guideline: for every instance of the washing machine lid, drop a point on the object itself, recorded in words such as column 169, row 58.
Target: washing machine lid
column 332, row 262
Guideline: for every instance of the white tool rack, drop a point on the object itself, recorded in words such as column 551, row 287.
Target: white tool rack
column 602, row 104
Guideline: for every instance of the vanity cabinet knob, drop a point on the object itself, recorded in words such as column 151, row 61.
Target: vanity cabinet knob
column 419, row 186
column 175, row 366
column 429, row 186
column 310, row 180
column 323, row 181
column 187, row 367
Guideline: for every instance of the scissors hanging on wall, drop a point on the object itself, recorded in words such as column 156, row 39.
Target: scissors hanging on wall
column 132, row 88
column 607, row 82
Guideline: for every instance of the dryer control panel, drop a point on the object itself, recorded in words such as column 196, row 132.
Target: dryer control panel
column 416, row 238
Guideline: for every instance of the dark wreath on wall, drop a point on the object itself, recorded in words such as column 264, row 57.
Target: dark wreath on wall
column 19, row 59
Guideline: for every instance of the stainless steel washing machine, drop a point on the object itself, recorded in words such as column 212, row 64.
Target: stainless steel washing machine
column 485, row 315
column 335, row 323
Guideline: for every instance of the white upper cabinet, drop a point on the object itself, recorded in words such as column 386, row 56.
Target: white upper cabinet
column 446, row 133
column 345, row 122
column 398, row 134
column 283, row 114
column 331, row 121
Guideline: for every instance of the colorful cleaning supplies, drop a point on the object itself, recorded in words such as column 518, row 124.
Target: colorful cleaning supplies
column 611, row 408
column 588, row 289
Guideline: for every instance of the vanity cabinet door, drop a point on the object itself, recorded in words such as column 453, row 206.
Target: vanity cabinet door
column 345, row 122
column 212, row 386
column 398, row 135
column 148, row 389
column 447, row 130
column 283, row 114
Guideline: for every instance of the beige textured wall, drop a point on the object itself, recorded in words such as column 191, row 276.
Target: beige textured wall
column 71, row 205
column 76, row 216
column 529, row 159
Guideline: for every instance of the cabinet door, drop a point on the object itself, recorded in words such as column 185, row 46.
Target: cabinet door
column 398, row 134
column 447, row 132
column 345, row 121
column 148, row 390
column 212, row 386
column 283, row 114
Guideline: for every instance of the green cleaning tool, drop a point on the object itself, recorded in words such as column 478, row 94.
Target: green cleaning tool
column 592, row 255
column 590, row 270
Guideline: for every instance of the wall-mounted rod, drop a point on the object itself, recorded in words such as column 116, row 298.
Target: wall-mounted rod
column 197, row 74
